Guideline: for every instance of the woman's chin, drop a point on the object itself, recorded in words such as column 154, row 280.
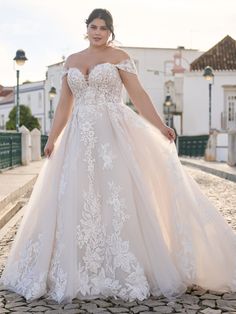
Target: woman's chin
column 98, row 43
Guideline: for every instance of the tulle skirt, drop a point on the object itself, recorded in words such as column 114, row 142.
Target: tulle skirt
column 113, row 213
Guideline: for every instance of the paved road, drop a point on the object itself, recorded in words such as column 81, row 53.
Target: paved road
column 196, row 300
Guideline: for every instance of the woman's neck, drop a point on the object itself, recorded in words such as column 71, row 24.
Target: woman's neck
column 101, row 48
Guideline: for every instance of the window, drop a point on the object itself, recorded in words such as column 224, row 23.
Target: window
column 228, row 116
column 231, row 108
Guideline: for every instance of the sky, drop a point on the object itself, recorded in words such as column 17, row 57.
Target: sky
column 48, row 29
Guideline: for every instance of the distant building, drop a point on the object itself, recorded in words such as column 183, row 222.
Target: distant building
column 6, row 104
column 161, row 73
column 222, row 58
column 53, row 79
column 31, row 94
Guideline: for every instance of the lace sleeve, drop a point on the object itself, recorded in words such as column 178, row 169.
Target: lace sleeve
column 127, row 65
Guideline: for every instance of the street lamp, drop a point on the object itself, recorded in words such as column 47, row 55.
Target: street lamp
column 209, row 75
column 20, row 59
column 52, row 94
column 168, row 103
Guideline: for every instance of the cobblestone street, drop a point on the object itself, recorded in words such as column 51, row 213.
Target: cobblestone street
column 221, row 192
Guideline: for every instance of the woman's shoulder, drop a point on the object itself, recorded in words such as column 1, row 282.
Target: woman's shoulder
column 73, row 58
column 119, row 54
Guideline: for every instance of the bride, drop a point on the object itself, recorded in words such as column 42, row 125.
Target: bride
column 113, row 212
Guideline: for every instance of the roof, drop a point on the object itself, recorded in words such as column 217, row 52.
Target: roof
column 220, row 57
column 6, row 92
column 158, row 48
column 57, row 63
column 6, row 95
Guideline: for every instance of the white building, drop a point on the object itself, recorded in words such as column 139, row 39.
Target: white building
column 53, row 79
column 6, row 104
column 222, row 59
column 160, row 72
column 31, row 94
column 35, row 95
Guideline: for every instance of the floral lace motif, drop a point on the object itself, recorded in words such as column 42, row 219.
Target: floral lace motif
column 107, row 254
column 107, row 156
column 106, row 264
column 25, row 279
column 127, row 65
column 104, row 255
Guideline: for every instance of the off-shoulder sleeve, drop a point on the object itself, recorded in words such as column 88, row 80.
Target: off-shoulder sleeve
column 127, row 65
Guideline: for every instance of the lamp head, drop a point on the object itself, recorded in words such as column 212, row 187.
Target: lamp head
column 20, row 57
column 52, row 92
column 208, row 73
column 168, row 101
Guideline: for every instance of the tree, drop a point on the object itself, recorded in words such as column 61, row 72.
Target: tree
column 26, row 119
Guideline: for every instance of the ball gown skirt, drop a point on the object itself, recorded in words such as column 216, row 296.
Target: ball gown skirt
column 113, row 212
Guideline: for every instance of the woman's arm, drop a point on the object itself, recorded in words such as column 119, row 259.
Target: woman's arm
column 62, row 114
column 143, row 103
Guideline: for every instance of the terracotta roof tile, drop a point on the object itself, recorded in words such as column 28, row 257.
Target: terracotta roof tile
column 4, row 93
column 220, row 57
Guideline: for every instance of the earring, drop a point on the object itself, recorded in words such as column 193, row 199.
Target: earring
column 85, row 36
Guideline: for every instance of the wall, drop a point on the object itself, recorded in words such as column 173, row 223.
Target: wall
column 196, row 101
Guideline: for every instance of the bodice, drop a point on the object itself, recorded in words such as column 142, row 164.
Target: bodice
column 102, row 84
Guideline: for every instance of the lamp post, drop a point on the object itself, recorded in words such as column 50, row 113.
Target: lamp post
column 52, row 94
column 168, row 103
column 209, row 75
column 20, row 59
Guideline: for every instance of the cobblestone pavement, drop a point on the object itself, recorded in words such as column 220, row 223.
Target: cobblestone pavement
column 195, row 300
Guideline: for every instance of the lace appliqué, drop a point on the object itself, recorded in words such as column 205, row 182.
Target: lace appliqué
column 107, row 156
column 57, row 277
column 127, row 65
column 26, row 279
column 104, row 255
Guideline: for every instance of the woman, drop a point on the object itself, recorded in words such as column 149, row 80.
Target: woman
column 113, row 213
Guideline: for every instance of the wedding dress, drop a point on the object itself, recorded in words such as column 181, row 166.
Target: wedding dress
column 113, row 212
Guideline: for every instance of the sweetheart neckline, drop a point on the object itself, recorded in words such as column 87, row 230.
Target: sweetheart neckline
column 86, row 76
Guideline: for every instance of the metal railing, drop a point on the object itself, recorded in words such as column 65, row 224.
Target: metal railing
column 193, row 146
column 10, row 149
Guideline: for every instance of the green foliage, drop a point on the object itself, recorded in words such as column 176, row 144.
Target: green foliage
column 26, row 119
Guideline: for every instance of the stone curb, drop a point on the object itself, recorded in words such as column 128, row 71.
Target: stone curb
column 12, row 197
column 10, row 205
column 217, row 172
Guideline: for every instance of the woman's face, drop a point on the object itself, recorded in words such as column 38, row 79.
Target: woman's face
column 98, row 32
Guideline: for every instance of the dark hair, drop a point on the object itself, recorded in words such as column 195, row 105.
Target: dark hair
column 104, row 15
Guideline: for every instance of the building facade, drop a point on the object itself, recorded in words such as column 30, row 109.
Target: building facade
column 222, row 59
column 174, row 80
